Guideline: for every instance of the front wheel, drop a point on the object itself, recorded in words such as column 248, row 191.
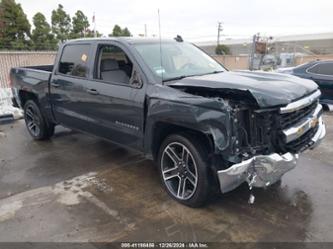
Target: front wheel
column 183, row 169
column 36, row 124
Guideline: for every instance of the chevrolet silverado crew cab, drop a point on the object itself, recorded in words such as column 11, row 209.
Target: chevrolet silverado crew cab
column 207, row 128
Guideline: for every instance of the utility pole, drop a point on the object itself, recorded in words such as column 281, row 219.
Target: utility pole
column 94, row 22
column 145, row 30
column 219, row 30
column 253, row 50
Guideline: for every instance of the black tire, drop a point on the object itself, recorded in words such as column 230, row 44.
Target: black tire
column 36, row 124
column 194, row 196
column 325, row 108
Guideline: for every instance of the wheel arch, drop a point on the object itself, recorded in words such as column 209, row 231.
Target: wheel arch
column 24, row 96
column 162, row 129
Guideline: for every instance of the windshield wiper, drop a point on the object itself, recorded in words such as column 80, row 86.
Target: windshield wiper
column 215, row 72
column 185, row 76
column 178, row 78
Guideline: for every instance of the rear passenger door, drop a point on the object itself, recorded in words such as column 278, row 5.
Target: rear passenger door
column 116, row 101
column 68, row 86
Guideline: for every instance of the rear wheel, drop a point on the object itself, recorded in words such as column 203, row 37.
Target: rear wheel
column 183, row 169
column 36, row 124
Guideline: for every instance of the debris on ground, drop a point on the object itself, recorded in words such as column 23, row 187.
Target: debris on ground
column 8, row 113
column 251, row 199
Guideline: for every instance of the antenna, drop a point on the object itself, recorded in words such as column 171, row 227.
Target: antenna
column 159, row 31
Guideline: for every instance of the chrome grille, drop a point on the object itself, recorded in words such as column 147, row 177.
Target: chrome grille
column 298, row 123
column 302, row 143
column 289, row 119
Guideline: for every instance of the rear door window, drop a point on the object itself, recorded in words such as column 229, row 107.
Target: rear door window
column 325, row 68
column 74, row 60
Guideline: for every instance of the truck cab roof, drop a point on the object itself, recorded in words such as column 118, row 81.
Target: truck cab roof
column 126, row 40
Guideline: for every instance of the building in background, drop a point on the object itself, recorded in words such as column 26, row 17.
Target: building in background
column 309, row 44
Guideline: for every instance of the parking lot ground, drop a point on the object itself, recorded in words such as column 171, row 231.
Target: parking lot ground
column 80, row 188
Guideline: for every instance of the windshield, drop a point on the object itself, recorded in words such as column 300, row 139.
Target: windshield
column 179, row 60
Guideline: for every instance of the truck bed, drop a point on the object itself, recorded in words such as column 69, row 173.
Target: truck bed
column 31, row 76
column 31, row 79
column 47, row 68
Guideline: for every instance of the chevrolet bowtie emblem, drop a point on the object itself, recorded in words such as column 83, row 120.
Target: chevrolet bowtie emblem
column 314, row 122
column 300, row 131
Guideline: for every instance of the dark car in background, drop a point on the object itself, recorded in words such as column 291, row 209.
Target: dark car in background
column 320, row 72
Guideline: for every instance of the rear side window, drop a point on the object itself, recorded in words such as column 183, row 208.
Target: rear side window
column 322, row 68
column 74, row 60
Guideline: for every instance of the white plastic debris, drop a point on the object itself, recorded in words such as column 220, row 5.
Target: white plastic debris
column 10, row 110
column 7, row 111
column 252, row 177
column 251, row 199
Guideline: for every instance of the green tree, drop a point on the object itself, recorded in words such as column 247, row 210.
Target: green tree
column 90, row 33
column 118, row 31
column 222, row 49
column 80, row 25
column 61, row 23
column 41, row 36
column 14, row 26
column 126, row 32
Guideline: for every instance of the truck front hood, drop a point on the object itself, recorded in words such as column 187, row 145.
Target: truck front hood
column 268, row 89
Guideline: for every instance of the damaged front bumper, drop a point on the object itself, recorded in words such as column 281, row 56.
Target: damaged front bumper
column 263, row 170
column 258, row 171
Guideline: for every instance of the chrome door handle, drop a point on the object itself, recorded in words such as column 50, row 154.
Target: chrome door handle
column 55, row 84
column 93, row 91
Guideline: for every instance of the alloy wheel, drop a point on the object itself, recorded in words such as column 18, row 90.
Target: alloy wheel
column 32, row 121
column 179, row 170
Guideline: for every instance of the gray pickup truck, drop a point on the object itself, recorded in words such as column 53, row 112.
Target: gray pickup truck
column 207, row 128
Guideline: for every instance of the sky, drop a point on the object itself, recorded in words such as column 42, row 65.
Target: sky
column 198, row 20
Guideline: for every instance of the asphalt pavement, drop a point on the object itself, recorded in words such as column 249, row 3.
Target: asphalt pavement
column 77, row 188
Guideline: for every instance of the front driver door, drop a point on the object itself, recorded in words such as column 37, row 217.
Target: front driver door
column 113, row 102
